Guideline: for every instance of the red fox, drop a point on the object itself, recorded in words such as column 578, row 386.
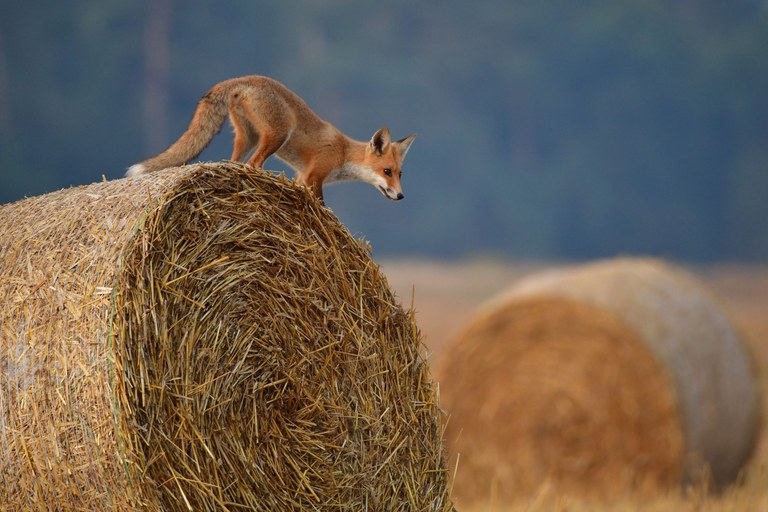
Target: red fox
column 271, row 118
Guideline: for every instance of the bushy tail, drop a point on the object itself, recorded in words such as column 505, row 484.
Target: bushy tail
column 209, row 116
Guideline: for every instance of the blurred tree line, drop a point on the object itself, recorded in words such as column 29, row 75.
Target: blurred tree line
column 546, row 128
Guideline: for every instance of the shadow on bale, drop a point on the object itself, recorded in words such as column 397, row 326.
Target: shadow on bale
column 618, row 378
column 206, row 338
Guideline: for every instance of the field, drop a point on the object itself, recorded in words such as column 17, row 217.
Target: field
column 445, row 296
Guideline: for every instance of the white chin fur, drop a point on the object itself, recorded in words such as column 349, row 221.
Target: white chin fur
column 135, row 170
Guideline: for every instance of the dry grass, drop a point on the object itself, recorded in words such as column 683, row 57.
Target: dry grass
column 751, row 496
column 206, row 338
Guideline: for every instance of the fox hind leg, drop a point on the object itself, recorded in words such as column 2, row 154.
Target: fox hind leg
column 268, row 145
column 245, row 136
column 266, row 121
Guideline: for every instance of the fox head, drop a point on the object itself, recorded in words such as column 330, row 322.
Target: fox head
column 384, row 160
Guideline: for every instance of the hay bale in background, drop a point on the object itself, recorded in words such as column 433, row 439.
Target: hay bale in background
column 617, row 377
column 205, row 338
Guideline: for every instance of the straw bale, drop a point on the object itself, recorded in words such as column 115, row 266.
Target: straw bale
column 622, row 376
column 206, row 338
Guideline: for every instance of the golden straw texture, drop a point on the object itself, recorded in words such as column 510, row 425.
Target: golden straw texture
column 206, row 338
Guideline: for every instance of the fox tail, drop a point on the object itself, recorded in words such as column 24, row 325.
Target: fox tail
column 206, row 123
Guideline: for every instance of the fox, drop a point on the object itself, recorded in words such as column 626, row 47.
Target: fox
column 269, row 119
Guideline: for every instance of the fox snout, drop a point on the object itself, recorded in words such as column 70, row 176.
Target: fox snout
column 392, row 194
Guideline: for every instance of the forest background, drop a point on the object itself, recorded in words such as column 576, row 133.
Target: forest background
column 546, row 129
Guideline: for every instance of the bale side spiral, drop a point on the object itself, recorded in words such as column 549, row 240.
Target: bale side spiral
column 206, row 338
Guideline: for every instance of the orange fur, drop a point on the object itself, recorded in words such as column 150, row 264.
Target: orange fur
column 270, row 119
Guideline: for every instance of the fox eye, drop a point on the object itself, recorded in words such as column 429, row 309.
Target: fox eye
column 388, row 172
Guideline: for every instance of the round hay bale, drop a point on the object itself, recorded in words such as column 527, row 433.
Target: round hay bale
column 618, row 377
column 206, row 338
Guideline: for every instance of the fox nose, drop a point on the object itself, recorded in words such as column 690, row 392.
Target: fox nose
column 400, row 195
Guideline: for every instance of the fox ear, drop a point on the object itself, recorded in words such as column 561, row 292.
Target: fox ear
column 403, row 145
column 380, row 141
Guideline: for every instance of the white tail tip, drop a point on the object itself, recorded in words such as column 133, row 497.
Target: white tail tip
column 135, row 170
